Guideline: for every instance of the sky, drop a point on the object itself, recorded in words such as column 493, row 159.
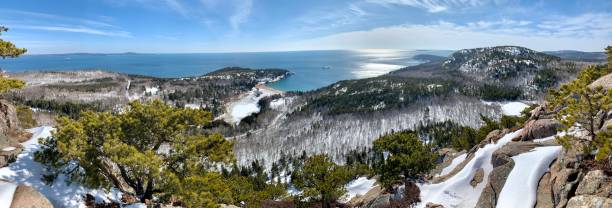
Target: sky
column 189, row 26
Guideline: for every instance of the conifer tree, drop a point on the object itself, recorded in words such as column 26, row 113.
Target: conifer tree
column 151, row 151
column 406, row 157
column 580, row 105
column 321, row 179
column 9, row 50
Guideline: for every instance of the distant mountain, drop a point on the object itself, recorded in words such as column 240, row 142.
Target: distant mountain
column 497, row 63
column 428, row 57
column 506, row 72
column 579, row 55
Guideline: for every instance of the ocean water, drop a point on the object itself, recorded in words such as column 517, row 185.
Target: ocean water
column 311, row 69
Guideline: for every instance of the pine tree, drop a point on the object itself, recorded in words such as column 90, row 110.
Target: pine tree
column 407, row 157
column 150, row 150
column 580, row 105
column 321, row 179
column 9, row 50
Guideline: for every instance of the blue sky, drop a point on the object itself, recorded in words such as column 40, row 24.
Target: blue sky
column 169, row 26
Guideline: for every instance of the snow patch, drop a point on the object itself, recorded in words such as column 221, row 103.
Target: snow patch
column 151, row 90
column 358, row 187
column 246, row 105
column 7, row 190
column 29, row 172
column 513, row 108
column 544, row 139
column 509, row 108
column 521, row 186
column 456, row 161
column 8, row 149
column 136, row 205
column 277, row 103
column 192, row 106
column 456, row 191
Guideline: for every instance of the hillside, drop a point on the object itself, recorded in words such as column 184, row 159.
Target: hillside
column 69, row 92
column 349, row 114
column 512, row 72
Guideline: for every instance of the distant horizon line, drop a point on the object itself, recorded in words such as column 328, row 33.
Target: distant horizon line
column 224, row 52
column 281, row 51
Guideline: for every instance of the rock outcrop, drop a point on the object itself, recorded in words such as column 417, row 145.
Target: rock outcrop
column 589, row 201
column 10, row 134
column 371, row 195
column 379, row 201
column 26, row 196
column 537, row 129
column 9, row 154
column 605, row 82
column 595, row 182
column 478, row 177
column 502, row 166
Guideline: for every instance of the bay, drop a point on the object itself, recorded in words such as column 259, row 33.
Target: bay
column 311, row 69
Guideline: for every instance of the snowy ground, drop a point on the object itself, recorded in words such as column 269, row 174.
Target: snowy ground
column 7, row 190
column 359, row 186
column 456, row 161
column 246, row 105
column 513, row 108
column 510, row 108
column 456, row 191
column 29, row 172
column 520, row 189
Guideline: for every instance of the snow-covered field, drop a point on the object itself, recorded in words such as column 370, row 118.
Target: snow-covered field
column 520, row 189
column 29, row 172
column 456, row 191
column 513, row 108
column 246, row 105
column 510, row 108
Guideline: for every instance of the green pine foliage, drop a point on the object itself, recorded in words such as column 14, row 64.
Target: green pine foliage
column 578, row 104
column 67, row 108
column 9, row 50
column 408, row 157
column 378, row 93
column 149, row 151
column 448, row 134
column 321, row 180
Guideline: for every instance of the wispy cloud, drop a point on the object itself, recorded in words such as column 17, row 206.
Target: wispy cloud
column 554, row 34
column 33, row 16
column 84, row 30
column 18, row 19
column 161, row 5
column 433, row 5
column 241, row 14
column 177, row 6
column 332, row 19
column 585, row 25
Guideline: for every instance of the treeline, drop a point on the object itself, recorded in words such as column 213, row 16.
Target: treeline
column 388, row 92
column 377, row 93
column 67, row 108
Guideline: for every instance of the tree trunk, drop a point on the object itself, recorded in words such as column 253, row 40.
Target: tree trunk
column 148, row 192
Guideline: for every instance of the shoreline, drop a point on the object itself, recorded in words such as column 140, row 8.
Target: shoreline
column 265, row 87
